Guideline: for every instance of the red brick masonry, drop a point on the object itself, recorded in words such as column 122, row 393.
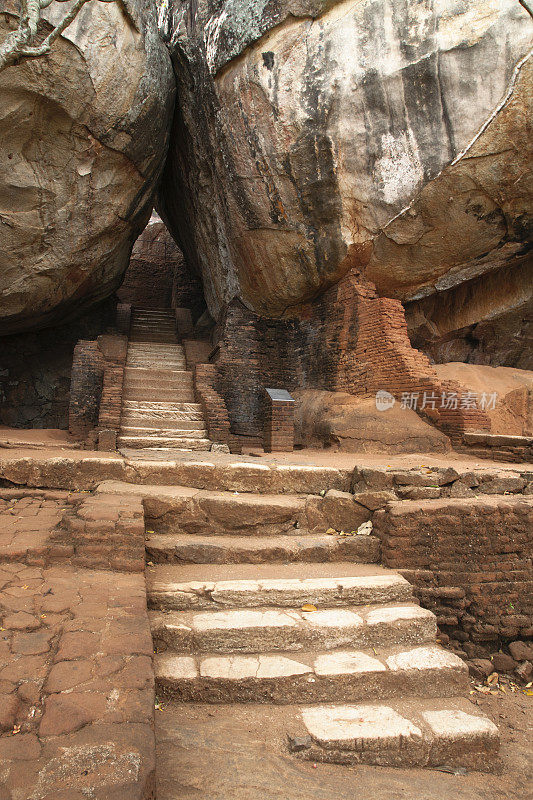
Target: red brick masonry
column 471, row 562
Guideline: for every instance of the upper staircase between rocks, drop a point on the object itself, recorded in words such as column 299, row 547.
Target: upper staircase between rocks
column 158, row 404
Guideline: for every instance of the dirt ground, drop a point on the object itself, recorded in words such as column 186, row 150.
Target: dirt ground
column 239, row 753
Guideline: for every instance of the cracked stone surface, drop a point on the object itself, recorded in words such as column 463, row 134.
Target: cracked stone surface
column 76, row 676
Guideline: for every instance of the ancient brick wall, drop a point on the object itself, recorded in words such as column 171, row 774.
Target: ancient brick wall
column 96, row 387
column 213, row 405
column 85, row 388
column 471, row 563
column 347, row 340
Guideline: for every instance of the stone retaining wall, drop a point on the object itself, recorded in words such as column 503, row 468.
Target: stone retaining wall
column 471, row 563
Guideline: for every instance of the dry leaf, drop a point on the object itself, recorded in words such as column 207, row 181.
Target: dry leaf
column 331, row 532
column 309, row 607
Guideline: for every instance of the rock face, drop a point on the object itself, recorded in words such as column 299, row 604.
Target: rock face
column 84, row 135
column 351, row 424
column 315, row 137
column 508, row 392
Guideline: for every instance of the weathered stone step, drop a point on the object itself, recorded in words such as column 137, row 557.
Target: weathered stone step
column 260, row 630
column 156, row 329
column 159, row 323
column 216, row 587
column 401, row 733
column 156, row 366
column 146, row 425
column 149, row 346
column 192, row 549
column 161, row 407
column 165, row 384
column 154, row 372
column 182, row 443
column 177, row 509
column 173, row 376
column 338, row 676
column 162, row 433
column 155, row 348
column 182, row 394
column 157, row 338
column 152, row 336
column 140, row 311
column 159, row 328
column 185, row 420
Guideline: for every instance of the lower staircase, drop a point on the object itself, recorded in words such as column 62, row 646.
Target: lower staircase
column 275, row 614
column 158, row 404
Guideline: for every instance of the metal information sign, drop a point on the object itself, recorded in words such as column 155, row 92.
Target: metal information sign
column 279, row 394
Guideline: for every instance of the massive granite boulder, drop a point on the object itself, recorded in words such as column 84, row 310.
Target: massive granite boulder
column 84, row 134
column 313, row 137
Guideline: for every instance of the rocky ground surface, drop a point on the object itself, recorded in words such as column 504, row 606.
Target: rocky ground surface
column 76, row 679
column 216, row 752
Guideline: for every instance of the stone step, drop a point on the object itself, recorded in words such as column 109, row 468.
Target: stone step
column 236, row 474
column 335, row 676
column 260, row 630
column 146, row 425
column 157, row 366
column 199, row 432
column 153, row 322
column 173, row 377
column 182, row 394
column 167, row 312
column 146, row 373
column 156, row 362
column 179, row 509
column 172, row 384
column 162, row 419
column 184, row 420
column 175, row 443
column 193, row 549
column 158, row 338
column 159, row 357
column 160, row 407
column 154, row 347
column 401, row 733
column 153, row 327
column 138, row 333
column 216, row 587
column 162, row 433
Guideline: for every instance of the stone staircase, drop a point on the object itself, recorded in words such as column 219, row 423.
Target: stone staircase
column 158, row 408
column 260, row 610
